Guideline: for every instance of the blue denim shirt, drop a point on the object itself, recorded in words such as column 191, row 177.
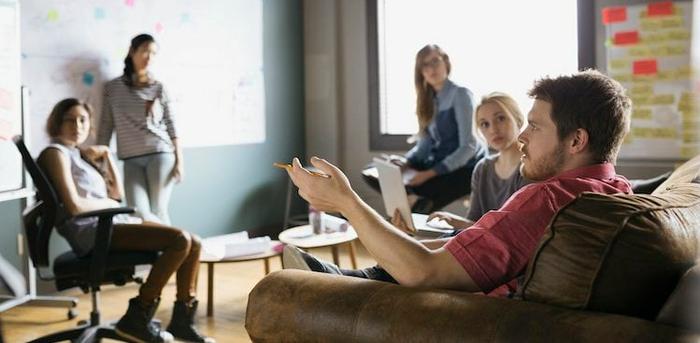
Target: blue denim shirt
column 448, row 144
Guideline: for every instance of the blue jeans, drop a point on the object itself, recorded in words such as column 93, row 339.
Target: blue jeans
column 148, row 184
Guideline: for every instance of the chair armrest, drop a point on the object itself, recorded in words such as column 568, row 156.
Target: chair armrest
column 103, row 239
column 106, row 212
column 292, row 305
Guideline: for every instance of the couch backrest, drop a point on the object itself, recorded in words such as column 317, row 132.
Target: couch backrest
column 619, row 253
column 687, row 172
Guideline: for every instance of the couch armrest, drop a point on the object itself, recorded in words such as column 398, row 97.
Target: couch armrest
column 292, row 305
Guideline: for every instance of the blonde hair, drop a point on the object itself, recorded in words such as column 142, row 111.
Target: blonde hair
column 425, row 108
column 507, row 105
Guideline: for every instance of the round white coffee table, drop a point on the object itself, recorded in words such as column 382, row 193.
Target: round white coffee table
column 303, row 237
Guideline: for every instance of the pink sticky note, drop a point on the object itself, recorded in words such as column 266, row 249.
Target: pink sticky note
column 159, row 27
column 5, row 130
column 129, row 3
column 645, row 67
column 6, row 99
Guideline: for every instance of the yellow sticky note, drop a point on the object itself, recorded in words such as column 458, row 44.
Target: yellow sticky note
column 619, row 63
column 671, row 22
column 641, row 113
column 663, row 99
column 642, row 90
column 52, row 15
column 690, row 151
column 650, row 24
column 655, row 132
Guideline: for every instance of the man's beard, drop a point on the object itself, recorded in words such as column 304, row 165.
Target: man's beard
column 545, row 168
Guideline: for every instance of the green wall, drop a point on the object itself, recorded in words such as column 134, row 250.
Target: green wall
column 234, row 188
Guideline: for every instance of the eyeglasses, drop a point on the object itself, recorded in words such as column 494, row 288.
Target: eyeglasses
column 433, row 63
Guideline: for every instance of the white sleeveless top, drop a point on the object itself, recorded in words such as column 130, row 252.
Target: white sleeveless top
column 80, row 232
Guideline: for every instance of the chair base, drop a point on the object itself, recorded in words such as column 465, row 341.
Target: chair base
column 69, row 303
column 82, row 334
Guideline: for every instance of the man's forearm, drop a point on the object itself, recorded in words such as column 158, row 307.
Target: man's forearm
column 403, row 257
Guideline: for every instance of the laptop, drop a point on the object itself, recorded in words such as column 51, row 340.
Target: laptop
column 392, row 184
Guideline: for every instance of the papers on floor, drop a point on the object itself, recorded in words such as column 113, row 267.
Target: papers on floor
column 233, row 245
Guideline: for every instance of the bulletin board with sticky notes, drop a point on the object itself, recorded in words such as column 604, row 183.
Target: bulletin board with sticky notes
column 12, row 183
column 210, row 59
column 648, row 50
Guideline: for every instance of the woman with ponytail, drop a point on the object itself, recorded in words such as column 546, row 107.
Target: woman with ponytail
column 442, row 161
column 137, row 107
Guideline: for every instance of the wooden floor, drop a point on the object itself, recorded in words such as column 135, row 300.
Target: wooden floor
column 233, row 282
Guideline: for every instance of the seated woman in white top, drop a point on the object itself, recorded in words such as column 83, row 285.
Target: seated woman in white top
column 82, row 188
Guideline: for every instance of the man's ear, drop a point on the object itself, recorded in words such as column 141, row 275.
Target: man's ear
column 579, row 141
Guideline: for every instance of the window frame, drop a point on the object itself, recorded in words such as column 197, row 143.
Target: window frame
column 379, row 141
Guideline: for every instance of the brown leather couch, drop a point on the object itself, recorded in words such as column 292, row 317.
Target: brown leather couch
column 611, row 268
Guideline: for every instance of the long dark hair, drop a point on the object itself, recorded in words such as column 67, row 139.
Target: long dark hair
column 136, row 42
column 424, row 92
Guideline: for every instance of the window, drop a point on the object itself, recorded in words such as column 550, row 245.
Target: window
column 497, row 45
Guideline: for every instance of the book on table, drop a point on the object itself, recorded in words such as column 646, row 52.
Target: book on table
column 234, row 245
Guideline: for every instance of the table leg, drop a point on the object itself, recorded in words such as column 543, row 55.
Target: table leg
column 336, row 257
column 267, row 266
column 351, row 248
column 210, row 289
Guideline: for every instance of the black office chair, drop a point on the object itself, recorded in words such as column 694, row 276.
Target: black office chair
column 89, row 272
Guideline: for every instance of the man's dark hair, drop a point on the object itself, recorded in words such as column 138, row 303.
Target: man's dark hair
column 591, row 101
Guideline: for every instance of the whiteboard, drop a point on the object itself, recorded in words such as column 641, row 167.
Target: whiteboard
column 648, row 50
column 209, row 58
column 11, row 172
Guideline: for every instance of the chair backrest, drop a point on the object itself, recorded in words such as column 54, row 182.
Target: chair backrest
column 39, row 219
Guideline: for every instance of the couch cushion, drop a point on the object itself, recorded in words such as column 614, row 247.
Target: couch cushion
column 617, row 253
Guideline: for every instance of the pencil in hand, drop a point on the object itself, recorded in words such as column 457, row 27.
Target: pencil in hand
column 288, row 166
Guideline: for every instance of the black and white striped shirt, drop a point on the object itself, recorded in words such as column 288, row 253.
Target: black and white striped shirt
column 141, row 117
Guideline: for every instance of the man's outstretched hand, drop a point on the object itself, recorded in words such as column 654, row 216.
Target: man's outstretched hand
column 330, row 194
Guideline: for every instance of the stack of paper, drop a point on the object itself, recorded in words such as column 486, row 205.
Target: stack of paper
column 233, row 245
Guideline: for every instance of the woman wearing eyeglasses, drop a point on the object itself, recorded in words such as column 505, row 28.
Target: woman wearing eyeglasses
column 440, row 165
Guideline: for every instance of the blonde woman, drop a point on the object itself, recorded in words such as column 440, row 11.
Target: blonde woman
column 497, row 123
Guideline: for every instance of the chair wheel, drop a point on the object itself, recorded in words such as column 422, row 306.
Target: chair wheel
column 72, row 313
column 82, row 322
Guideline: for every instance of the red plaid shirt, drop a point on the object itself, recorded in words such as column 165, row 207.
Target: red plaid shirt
column 496, row 249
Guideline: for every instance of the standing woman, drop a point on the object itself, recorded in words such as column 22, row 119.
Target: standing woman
column 442, row 161
column 137, row 107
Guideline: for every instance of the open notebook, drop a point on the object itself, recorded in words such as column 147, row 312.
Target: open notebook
column 394, row 194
